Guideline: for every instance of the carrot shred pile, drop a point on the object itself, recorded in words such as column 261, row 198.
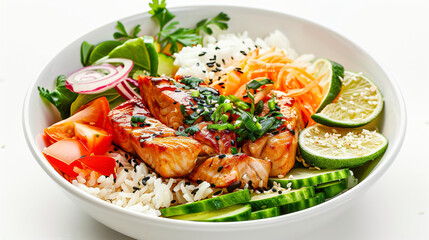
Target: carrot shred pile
column 287, row 75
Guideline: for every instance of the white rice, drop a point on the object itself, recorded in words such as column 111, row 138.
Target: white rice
column 214, row 58
column 128, row 190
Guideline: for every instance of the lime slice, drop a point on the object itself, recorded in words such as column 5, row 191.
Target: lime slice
column 332, row 73
column 360, row 102
column 327, row 147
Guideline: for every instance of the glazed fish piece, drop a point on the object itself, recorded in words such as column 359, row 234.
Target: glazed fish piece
column 228, row 170
column 279, row 148
column 156, row 144
column 214, row 142
column 163, row 99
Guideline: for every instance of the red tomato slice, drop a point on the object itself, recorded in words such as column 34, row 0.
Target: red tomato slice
column 63, row 155
column 93, row 113
column 96, row 139
column 101, row 164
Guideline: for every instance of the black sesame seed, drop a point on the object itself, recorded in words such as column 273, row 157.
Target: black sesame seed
column 232, row 57
column 234, row 186
column 220, row 84
column 202, row 54
column 217, row 193
column 217, row 64
column 217, row 137
column 115, row 149
column 222, row 156
column 204, row 71
column 173, row 201
column 174, row 102
column 121, row 165
column 232, row 142
column 199, row 181
column 198, row 64
column 210, row 64
column 223, row 61
column 280, row 192
column 146, row 178
column 195, row 191
column 177, row 90
column 219, row 168
column 187, row 183
column 136, row 188
column 125, row 169
column 274, row 190
column 127, row 156
column 217, row 48
column 276, row 132
column 292, row 132
column 218, row 69
column 244, row 53
column 283, row 128
column 245, row 96
column 250, row 184
column 212, row 185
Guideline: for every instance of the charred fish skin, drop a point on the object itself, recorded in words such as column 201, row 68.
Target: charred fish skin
column 156, row 144
column 226, row 170
column 164, row 99
column 280, row 147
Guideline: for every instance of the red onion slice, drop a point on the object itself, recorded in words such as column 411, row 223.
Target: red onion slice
column 99, row 78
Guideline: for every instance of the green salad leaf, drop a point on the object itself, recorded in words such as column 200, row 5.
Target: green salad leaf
column 112, row 96
column 102, row 50
column 85, row 51
column 60, row 97
column 141, row 52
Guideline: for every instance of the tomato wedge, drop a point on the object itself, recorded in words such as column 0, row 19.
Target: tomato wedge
column 96, row 139
column 93, row 113
column 101, row 164
column 63, row 155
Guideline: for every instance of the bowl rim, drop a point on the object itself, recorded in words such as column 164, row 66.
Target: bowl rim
column 375, row 174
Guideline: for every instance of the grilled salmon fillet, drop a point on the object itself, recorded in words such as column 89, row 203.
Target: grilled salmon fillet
column 279, row 148
column 155, row 143
column 226, row 170
column 163, row 99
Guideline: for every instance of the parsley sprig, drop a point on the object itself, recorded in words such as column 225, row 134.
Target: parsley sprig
column 123, row 35
column 170, row 35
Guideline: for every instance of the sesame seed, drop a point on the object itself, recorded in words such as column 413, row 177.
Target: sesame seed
column 202, row 54
column 219, row 168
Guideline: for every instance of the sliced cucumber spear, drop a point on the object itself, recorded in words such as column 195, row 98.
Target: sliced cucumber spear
column 265, row 213
column 278, row 198
column 303, row 204
column 304, row 177
column 331, row 189
column 222, row 201
column 240, row 212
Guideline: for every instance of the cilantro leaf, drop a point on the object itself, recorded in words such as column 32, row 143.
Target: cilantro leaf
column 61, row 97
column 220, row 21
column 122, row 34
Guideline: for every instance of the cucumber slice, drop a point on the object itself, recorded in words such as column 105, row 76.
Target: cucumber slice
column 304, row 177
column 332, row 148
column 330, row 82
column 222, row 201
column 268, row 200
column 265, row 213
column 303, row 204
column 332, row 188
column 165, row 65
column 238, row 212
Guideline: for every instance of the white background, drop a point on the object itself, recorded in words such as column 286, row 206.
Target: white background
column 394, row 32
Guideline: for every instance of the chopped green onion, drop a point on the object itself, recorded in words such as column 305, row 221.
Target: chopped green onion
column 234, row 150
column 224, row 118
column 195, row 93
column 220, row 127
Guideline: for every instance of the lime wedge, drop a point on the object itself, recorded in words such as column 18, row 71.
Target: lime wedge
column 332, row 73
column 327, row 147
column 359, row 103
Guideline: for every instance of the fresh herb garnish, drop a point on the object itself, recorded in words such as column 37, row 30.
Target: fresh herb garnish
column 61, row 97
column 190, row 130
column 170, row 36
column 137, row 120
column 122, row 34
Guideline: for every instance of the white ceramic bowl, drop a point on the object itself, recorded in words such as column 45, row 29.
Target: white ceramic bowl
column 306, row 37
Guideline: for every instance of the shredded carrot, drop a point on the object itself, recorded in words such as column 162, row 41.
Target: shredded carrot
column 287, row 76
